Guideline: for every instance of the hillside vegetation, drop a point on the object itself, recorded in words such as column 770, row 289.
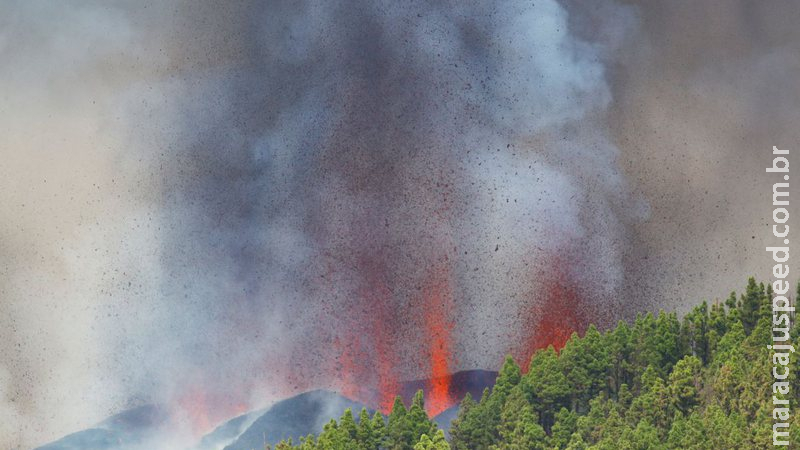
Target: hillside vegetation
column 700, row 382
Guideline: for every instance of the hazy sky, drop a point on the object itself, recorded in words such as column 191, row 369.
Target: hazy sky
column 188, row 190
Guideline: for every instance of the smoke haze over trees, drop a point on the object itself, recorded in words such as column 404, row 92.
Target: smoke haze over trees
column 703, row 382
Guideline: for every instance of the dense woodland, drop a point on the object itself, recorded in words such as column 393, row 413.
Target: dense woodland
column 700, row 382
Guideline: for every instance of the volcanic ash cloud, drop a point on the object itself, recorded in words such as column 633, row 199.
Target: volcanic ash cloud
column 318, row 194
column 362, row 166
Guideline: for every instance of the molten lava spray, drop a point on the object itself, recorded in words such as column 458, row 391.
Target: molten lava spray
column 558, row 311
column 367, row 365
column 224, row 155
column 203, row 411
column 194, row 406
column 359, row 195
column 438, row 329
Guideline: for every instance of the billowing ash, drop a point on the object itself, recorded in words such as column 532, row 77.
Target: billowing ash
column 208, row 206
column 387, row 191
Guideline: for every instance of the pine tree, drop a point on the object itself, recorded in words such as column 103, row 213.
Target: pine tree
column 476, row 425
column 515, row 406
column 398, row 429
column 695, row 332
column 620, row 351
column 765, row 309
column 508, row 377
column 586, row 364
column 667, row 340
column 364, row 434
column 438, row 442
column 653, row 403
column 462, row 427
column 730, row 302
column 688, row 433
column 724, row 431
column 332, row 438
column 751, row 305
column 576, row 442
column 684, row 384
column 418, row 420
column 644, row 437
column 566, row 423
column 645, row 353
column 546, row 386
column 519, row 427
column 379, row 430
column 347, row 425
column 487, row 413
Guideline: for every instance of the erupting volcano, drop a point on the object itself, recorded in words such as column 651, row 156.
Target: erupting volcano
column 438, row 331
column 396, row 202
column 375, row 198
column 368, row 358
column 212, row 207
column 367, row 365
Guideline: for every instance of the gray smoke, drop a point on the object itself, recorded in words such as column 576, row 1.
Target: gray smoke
column 356, row 152
column 703, row 92
column 203, row 205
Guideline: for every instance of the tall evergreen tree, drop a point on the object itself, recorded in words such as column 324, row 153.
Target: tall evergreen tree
column 519, row 428
column 586, row 364
column 418, row 420
column 546, row 386
column 685, row 383
column 365, row 434
column 379, row 429
column 398, row 428
column 438, row 442
column 751, row 305
column 462, row 429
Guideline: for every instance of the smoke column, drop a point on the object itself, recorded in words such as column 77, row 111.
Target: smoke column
column 404, row 175
column 210, row 207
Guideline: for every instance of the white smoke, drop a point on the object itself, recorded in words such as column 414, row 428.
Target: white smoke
column 197, row 196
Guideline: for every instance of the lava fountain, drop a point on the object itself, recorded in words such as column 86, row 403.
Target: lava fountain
column 557, row 311
column 438, row 331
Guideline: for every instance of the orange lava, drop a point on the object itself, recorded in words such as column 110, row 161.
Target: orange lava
column 367, row 363
column 365, row 353
column 557, row 314
column 438, row 329
column 204, row 411
column 194, row 405
column 346, row 369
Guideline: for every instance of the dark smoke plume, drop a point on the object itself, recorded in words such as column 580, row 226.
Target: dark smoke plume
column 211, row 206
column 359, row 166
